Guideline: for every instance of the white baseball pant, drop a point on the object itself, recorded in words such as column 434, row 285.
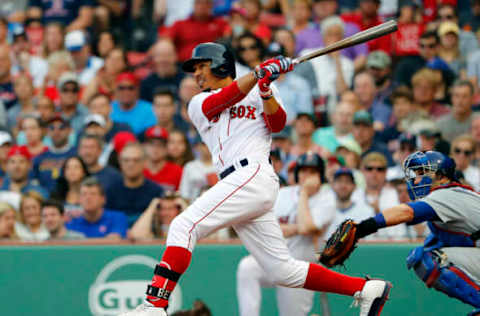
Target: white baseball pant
column 250, row 280
column 243, row 200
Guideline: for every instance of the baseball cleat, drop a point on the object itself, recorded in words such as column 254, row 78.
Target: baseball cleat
column 372, row 297
column 146, row 309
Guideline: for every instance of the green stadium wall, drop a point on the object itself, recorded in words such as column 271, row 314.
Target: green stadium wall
column 100, row 280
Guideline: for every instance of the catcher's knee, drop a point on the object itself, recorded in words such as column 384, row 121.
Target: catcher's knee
column 433, row 269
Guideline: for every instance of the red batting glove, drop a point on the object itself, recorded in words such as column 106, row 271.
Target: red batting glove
column 264, row 84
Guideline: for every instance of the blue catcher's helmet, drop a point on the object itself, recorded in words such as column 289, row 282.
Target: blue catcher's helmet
column 425, row 165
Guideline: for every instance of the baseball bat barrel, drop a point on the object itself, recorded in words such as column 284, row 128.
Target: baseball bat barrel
column 358, row 38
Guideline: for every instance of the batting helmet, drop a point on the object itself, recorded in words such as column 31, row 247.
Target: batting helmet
column 425, row 165
column 310, row 159
column 223, row 62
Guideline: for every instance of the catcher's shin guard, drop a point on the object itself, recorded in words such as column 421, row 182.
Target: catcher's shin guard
column 433, row 269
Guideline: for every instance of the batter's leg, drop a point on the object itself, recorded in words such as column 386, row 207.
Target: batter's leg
column 250, row 280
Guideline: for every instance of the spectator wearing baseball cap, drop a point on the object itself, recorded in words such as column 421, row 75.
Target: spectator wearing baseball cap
column 158, row 169
column 6, row 143
column 448, row 32
column 344, row 186
column 304, row 126
column 379, row 65
column 86, row 65
column 128, row 108
column 47, row 166
column 69, row 97
column 74, row 15
column 18, row 169
column 364, row 134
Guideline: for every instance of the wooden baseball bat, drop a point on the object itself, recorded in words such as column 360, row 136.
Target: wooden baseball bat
column 358, row 38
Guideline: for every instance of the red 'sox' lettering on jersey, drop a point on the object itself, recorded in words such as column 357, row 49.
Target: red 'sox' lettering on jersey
column 242, row 111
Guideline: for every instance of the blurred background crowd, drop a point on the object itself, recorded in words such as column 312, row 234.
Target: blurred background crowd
column 95, row 140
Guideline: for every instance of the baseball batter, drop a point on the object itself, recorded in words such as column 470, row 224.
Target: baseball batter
column 304, row 212
column 449, row 259
column 235, row 119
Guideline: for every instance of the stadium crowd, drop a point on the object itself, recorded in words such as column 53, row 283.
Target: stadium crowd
column 95, row 140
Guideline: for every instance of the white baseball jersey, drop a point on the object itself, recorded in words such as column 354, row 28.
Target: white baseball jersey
column 322, row 208
column 238, row 132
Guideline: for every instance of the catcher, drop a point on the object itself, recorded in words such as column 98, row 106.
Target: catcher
column 449, row 259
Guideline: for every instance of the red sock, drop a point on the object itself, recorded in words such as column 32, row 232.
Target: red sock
column 176, row 261
column 322, row 279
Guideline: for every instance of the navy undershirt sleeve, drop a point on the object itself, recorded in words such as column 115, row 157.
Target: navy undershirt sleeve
column 422, row 212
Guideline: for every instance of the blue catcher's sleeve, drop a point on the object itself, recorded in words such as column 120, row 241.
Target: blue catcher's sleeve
column 422, row 212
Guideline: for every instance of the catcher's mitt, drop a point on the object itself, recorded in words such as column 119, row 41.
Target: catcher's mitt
column 340, row 244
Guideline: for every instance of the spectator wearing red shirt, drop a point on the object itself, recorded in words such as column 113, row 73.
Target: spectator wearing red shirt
column 368, row 17
column 158, row 169
column 253, row 9
column 201, row 27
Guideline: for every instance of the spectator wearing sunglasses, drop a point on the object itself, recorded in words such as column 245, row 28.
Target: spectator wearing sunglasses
column 128, row 108
column 250, row 52
column 71, row 109
column 462, row 151
column 47, row 166
column 459, row 120
column 377, row 193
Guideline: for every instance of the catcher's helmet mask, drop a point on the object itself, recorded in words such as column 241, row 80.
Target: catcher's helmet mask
column 222, row 60
column 426, row 165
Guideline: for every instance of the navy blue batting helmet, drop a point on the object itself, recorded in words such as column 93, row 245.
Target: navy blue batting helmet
column 310, row 159
column 425, row 165
column 223, row 62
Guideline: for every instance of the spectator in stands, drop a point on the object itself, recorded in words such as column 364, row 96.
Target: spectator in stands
column 449, row 51
column 198, row 174
column 462, row 151
column 366, row 90
column 155, row 220
column 366, row 17
column 348, row 154
column 32, row 127
column 158, row 169
column 95, row 124
column 304, row 127
column 459, row 120
column 54, row 222
column 119, row 141
column 376, row 193
column 311, row 37
column 200, row 27
column 301, row 14
column 277, row 164
column 128, row 108
column 252, row 11
column 100, row 104
column 86, row 65
column 98, row 221
column 13, row 10
column 104, row 81
column 188, row 89
column 250, row 51
column 342, row 124
column 59, row 62
column 468, row 43
column 24, row 61
column 334, row 72
column 67, row 189
column 165, row 109
column 53, row 39
column 7, row 93
column 105, row 44
column 178, row 148
column 45, row 109
column 166, row 73
column 364, row 134
column 379, row 65
column 343, row 185
column 30, row 226
column 475, row 132
column 407, row 144
column 5, row 145
column 8, row 217
column 90, row 149
column 71, row 109
column 25, row 104
column 75, row 15
column 17, row 169
column 132, row 195
column 425, row 83
column 46, row 166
